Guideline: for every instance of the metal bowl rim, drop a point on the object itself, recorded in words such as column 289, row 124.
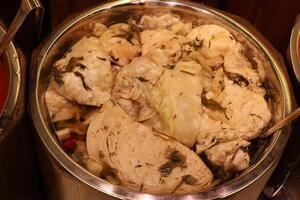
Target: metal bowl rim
column 14, row 84
column 293, row 50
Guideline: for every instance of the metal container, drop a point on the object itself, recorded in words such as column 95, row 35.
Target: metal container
column 294, row 48
column 248, row 185
column 17, row 161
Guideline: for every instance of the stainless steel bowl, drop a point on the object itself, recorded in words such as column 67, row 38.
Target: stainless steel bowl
column 11, row 110
column 17, row 161
column 250, row 182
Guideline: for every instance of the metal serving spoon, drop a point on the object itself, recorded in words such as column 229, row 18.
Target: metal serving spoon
column 25, row 8
column 287, row 119
column 287, row 165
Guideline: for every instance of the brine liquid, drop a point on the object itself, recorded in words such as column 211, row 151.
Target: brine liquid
column 3, row 84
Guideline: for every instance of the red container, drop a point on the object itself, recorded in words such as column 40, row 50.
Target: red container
column 4, row 80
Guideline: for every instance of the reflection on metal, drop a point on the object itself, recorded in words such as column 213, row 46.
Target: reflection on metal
column 295, row 48
column 13, row 58
column 14, row 66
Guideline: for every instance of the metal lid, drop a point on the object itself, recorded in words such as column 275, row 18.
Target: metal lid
column 12, row 62
column 294, row 50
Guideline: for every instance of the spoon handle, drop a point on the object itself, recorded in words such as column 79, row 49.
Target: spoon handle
column 290, row 117
column 25, row 8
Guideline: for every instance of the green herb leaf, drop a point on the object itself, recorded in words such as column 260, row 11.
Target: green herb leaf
column 126, row 34
column 138, row 166
column 75, row 62
column 78, row 74
column 114, row 60
column 238, row 79
column 149, row 164
column 269, row 96
column 189, row 179
column 162, row 181
column 57, row 75
column 170, row 66
column 248, row 54
column 103, row 59
column 101, row 154
column 255, row 115
column 197, row 44
column 211, row 104
column 141, row 187
column 136, row 29
column 142, row 79
column 183, row 71
column 177, row 158
column 79, row 158
column 108, row 171
column 166, row 169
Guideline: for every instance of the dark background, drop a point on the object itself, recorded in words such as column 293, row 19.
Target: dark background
column 273, row 18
